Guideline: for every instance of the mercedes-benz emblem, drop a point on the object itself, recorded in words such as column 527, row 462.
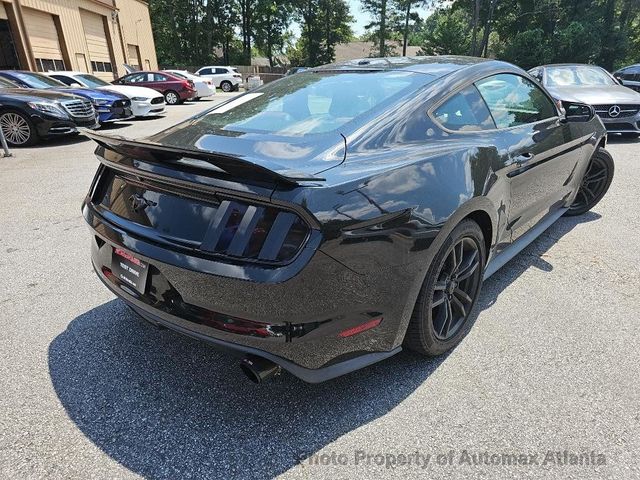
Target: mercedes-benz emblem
column 614, row 111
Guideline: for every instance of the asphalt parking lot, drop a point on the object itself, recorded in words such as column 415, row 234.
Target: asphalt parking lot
column 550, row 369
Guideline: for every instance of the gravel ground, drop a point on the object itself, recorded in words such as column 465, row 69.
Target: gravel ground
column 88, row 391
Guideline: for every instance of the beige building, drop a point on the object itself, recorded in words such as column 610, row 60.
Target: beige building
column 95, row 36
column 353, row 50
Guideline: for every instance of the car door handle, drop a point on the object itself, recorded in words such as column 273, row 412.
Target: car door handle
column 523, row 158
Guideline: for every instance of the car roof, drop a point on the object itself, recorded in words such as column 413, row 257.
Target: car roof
column 66, row 72
column 437, row 66
column 569, row 65
column 633, row 65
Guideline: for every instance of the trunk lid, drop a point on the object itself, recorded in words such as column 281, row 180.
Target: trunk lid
column 199, row 202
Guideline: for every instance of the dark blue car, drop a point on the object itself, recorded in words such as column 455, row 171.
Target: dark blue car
column 110, row 106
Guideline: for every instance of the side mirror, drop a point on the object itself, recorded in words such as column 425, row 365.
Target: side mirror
column 577, row 112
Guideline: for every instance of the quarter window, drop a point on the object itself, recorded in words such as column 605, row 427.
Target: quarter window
column 513, row 100
column 465, row 111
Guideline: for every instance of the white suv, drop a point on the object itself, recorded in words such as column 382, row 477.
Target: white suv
column 226, row 78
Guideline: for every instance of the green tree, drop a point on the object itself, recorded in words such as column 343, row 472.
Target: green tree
column 272, row 19
column 324, row 24
column 447, row 32
column 410, row 17
column 386, row 24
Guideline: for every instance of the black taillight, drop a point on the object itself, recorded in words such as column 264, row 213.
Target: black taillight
column 255, row 232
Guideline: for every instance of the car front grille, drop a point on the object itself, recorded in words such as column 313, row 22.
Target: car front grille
column 157, row 100
column 603, row 111
column 122, row 103
column 79, row 108
column 619, row 126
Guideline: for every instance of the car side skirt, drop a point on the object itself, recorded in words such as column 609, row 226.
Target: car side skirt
column 521, row 243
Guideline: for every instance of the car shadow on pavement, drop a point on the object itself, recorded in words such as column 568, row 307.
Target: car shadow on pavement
column 115, row 125
column 167, row 406
column 61, row 141
column 534, row 255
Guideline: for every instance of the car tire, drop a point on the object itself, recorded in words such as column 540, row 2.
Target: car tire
column 18, row 129
column 595, row 183
column 171, row 97
column 226, row 86
column 449, row 292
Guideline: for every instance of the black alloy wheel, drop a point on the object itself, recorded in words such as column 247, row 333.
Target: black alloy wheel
column 451, row 287
column 595, row 183
column 455, row 288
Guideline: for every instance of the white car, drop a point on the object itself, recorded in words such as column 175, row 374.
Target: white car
column 204, row 86
column 144, row 101
column 226, row 78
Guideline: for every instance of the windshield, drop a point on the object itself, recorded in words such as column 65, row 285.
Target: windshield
column 4, row 83
column 92, row 81
column 579, row 75
column 310, row 102
column 36, row 80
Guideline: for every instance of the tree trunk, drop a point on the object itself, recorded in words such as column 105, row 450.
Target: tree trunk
column 608, row 50
column 383, row 33
column 405, row 39
column 474, row 31
column 484, row 47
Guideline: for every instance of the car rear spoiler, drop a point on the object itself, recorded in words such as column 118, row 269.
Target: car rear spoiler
column 235, row 166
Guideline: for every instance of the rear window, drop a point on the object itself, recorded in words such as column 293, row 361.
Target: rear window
column 92, row 81
column 311, row 102
column 35, row 80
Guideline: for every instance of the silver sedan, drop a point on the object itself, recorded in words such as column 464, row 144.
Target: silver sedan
column 617, row 106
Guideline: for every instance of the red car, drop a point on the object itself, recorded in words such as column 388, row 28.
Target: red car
column 175, row 89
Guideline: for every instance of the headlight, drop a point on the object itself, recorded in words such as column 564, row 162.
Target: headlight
column 100, row 101
column 140, row 99
column 50, row 108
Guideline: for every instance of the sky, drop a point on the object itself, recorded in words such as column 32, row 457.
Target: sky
column 361, row 18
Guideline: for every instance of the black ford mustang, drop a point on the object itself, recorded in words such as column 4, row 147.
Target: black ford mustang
column 323, row 221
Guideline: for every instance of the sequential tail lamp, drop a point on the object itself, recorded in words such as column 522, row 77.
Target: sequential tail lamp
column 363, row 327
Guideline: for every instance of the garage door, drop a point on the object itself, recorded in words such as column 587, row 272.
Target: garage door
column 97, row 45
column 44, row 39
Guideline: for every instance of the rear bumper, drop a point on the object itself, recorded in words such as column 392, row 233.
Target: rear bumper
column 295, row 323
column 307, row 374
column 186, row 94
